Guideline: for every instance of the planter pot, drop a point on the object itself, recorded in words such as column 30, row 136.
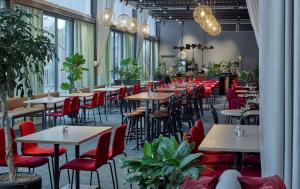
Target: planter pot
column 29, row 181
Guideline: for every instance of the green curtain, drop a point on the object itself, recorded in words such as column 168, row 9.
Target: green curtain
column 128, row 45
column 84, row 44
column 37, row 21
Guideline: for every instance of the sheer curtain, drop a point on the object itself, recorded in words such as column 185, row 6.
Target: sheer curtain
column 84, row 44
column 102, row 36
column 37, row 21
column 128, row 45
column 280, row 89
column 253, row 9
column 142, row 18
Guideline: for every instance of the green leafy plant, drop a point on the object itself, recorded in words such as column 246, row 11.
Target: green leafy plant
column 129, row 70
column 214, row 69
column 21, row 54
column 226, row 65
column 73, row 65
column 161, row 70
column 164, row 164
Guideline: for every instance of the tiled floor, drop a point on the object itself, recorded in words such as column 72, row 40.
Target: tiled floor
column 106, row 183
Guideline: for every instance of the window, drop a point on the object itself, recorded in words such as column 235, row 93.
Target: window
column 152, row 26
column 115, row 52
column 82, row 6
column 148, row 60
column 62, row 31
column 2, row 4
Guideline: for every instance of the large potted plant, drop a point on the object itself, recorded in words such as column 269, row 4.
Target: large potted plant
column 21, row 54
column 73, row 66
column 161, row 71
column 129, row 72
column 164, row 164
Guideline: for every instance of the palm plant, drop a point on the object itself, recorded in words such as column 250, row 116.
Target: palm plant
column 164, row 164
column 21, row 53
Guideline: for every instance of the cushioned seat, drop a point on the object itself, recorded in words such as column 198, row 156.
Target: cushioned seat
column 251, row 171
column 251, row 159
column 214, row 170
column 80, row 164
column 213, row 159
column 56, row 114
column 43, row 151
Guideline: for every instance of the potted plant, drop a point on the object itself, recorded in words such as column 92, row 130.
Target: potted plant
column 73, row 66
column 129, row 72
column 213, row 70
column 21, row 53
column 161, row 71
column 164, row 164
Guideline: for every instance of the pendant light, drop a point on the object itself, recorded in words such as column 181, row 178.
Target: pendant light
column 106, row 15
column 123, row 20
column 132, row 25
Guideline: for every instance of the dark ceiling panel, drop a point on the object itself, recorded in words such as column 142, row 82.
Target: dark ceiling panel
column 183, row 9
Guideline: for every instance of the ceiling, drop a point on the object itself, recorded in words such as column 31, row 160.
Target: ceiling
column 180, row 10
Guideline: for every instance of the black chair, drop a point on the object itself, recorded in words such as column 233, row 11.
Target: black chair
column 250, row 120
column 214, row 113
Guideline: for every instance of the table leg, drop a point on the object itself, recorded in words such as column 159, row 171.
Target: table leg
column 77, row 175
column 147, row 130
column 105, row 105
column 56, row 166
column 44, row 117
column 84, row 111
column 55, row 109
column 238, row 160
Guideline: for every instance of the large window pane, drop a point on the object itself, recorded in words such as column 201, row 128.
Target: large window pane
column 152, row 26
column 2, row 4
column 83, row 6
column 115, row 52
column 49, row 70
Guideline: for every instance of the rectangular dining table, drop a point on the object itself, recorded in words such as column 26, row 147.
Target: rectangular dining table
column 45, row 101
column 171, row 89
column 76, row 135
column 222, row 138
column 145, row 96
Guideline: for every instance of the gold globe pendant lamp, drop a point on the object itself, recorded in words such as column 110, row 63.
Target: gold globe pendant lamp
column 144, row 30
column 123, row 20
column 106, row 15
column 132, row 25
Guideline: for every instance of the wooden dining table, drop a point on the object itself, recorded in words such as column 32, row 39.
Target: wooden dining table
column 145, row 96
column 222, row 138
column 171, row 89
column 76, row 135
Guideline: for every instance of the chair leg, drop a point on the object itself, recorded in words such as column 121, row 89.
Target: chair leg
column 115, row 169
column 99, row 114
column 66, row 155
column 98, row 178
column 49, row 169
column 112, row 176
column 72, row 178
column 94, row 117
column 91, row 178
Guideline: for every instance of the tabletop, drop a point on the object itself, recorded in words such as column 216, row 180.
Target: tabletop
column 83, row 95
column 246, row 91
column 107, row 89
column 223, row 138
column 75, row 136
column 237, row 112
column 164, row 89
column 149, row 81
column 155, row 96
column 46, row 100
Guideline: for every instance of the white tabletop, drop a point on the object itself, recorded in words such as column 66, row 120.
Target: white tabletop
column 237, row 112
column 81, row 95
column 107, row 89
column 149, row 82
column 75, row 136
column 223, row 138
column 46, row 100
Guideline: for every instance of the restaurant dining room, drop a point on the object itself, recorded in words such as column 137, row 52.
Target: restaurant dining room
column 149, row 94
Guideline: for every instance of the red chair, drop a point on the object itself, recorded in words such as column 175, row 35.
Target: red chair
column 208, row 158
column 62, row 113
column 101, row 101
column 102, row 157
column 92, row 105
column 121, row 95
column 136, row 89
column 29, row 162
column 75, row 107
column 237, row 102
column 118, row 147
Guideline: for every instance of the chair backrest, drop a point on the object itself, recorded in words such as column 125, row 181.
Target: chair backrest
column 136, row 89
column 27, row 128
column 118, row 145
column 101, row 98
column 197, row 135
column 75, row 104
column 103, row 148
column 95, row 100
column 2, row 144
column 214, row 113
column 236, row 102
column 67, row 106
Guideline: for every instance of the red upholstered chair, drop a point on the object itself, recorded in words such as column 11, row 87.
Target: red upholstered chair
column 208, row 158
column 75, row 107
column 102, row 157
column 230, row 93
column 117, row 149
column 236, row 102
column 29, row 162
column 61, row 113
column 101, row 99
column 92, row 105
column 136, row 89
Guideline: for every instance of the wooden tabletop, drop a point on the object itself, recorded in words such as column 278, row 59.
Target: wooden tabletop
column 107, row 89
column 75, row 136
column 246, row 91
column 155, row 96
column 46, row 100
column 237, row 112
column 83, row 95
column 223, row 138
column 170, row 89
column 120, row 86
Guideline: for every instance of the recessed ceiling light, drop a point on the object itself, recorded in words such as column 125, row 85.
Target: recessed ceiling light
column 170, row 17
